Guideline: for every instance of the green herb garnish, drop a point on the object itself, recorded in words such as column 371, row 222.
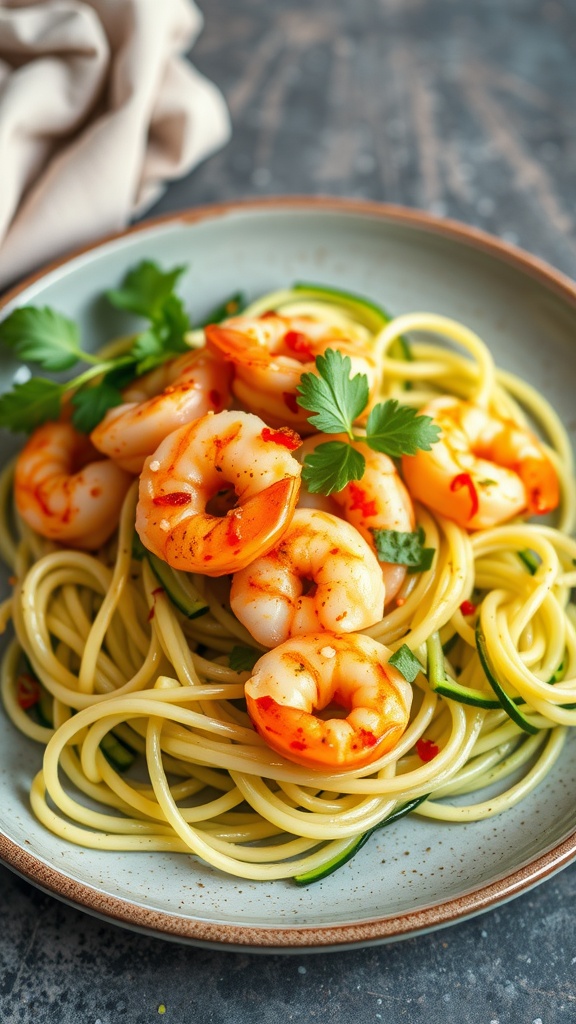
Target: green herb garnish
column 402, row 548
column 336, row 400
column 44, row 337
column 243, row 659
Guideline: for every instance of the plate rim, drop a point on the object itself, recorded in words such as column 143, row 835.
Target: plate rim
column 274, row 938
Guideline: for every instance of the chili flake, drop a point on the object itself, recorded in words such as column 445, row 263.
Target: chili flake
column 427, row 749
column 283, row 436
column 465, row 480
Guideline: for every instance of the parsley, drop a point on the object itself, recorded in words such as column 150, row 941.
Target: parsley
column 406, row 663
column 243, row 659
column 336, row 400
column 91, row 405
column 47, row 338
column 331, row 466
column 399, row 430
column 43, row 336
column 145, row 290
column 29, row 405
column 403, row 549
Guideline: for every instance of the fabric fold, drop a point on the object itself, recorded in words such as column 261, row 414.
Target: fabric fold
column 99, row 109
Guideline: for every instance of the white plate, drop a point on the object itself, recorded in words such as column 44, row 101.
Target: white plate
column 416, row 875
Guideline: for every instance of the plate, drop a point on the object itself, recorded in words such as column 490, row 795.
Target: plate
column 418, row 875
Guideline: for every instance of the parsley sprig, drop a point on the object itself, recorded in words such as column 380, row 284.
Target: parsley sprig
column 336, row 400
column 46, row 338
column 404, row 548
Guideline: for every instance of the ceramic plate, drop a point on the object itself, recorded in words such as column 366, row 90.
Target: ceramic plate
column 417, row 875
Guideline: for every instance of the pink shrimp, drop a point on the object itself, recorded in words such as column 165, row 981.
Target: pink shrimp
column 177, row 392
column 227, row 450
column 305, row 675
column 321, row 574
column 484, row 469
column 65, row 491
column 379, row 501
column 270, row 353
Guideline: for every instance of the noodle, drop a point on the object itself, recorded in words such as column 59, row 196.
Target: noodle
column 116, row 659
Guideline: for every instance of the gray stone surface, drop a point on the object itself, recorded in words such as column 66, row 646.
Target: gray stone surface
column 466, row 110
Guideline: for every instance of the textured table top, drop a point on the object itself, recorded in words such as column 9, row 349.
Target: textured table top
column 465, row 110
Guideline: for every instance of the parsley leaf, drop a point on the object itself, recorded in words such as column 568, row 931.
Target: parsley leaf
column 30, row 404
column 148, row 291
column 91, row 404
column 331, row 466
column 402, row 548
column 335, row 398
column 47, row 337
column 42, row 336
column 399, row 430
column 243, row 659
column 406, row 663
column 145, row 290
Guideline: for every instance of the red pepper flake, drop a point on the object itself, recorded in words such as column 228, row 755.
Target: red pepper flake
column 175, row 499
column 297, row 745
column 467, row 608
column 95, row 492
column 465, row 480
column 427, row 750
column 368, row 738
column 284, row 436
column 215, row 398
column 27, row 691
column 290, row 399
column 265, row 703
column 300, row 344
column 360, row 500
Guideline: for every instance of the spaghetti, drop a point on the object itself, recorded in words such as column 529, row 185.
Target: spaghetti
column 490, row 622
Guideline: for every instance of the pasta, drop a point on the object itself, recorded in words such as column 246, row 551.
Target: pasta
column 121, row 666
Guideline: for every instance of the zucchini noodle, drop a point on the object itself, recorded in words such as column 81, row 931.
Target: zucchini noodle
column 122, row 669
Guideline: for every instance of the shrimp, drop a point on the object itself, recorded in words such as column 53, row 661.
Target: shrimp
column 379, row 501
column 269, row 596
column 178, row 392
column 484, row 469
column 220, row 451
column 271, row 352
column 306, row 674
column 65, row 491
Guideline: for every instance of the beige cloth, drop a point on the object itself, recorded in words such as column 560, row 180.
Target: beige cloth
column 98, row 109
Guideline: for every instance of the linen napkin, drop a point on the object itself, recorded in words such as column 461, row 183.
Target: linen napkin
column 98, row 110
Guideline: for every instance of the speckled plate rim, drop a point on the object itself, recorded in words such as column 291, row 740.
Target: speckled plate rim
column 178, row 928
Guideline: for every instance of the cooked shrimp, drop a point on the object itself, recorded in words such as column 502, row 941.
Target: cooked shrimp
column 306, row 674
column 347, row 592
column 379, row 501
column 65, row 491
column 483, row 470
column 223, row 451
column 271, row 352
column 178, row 392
